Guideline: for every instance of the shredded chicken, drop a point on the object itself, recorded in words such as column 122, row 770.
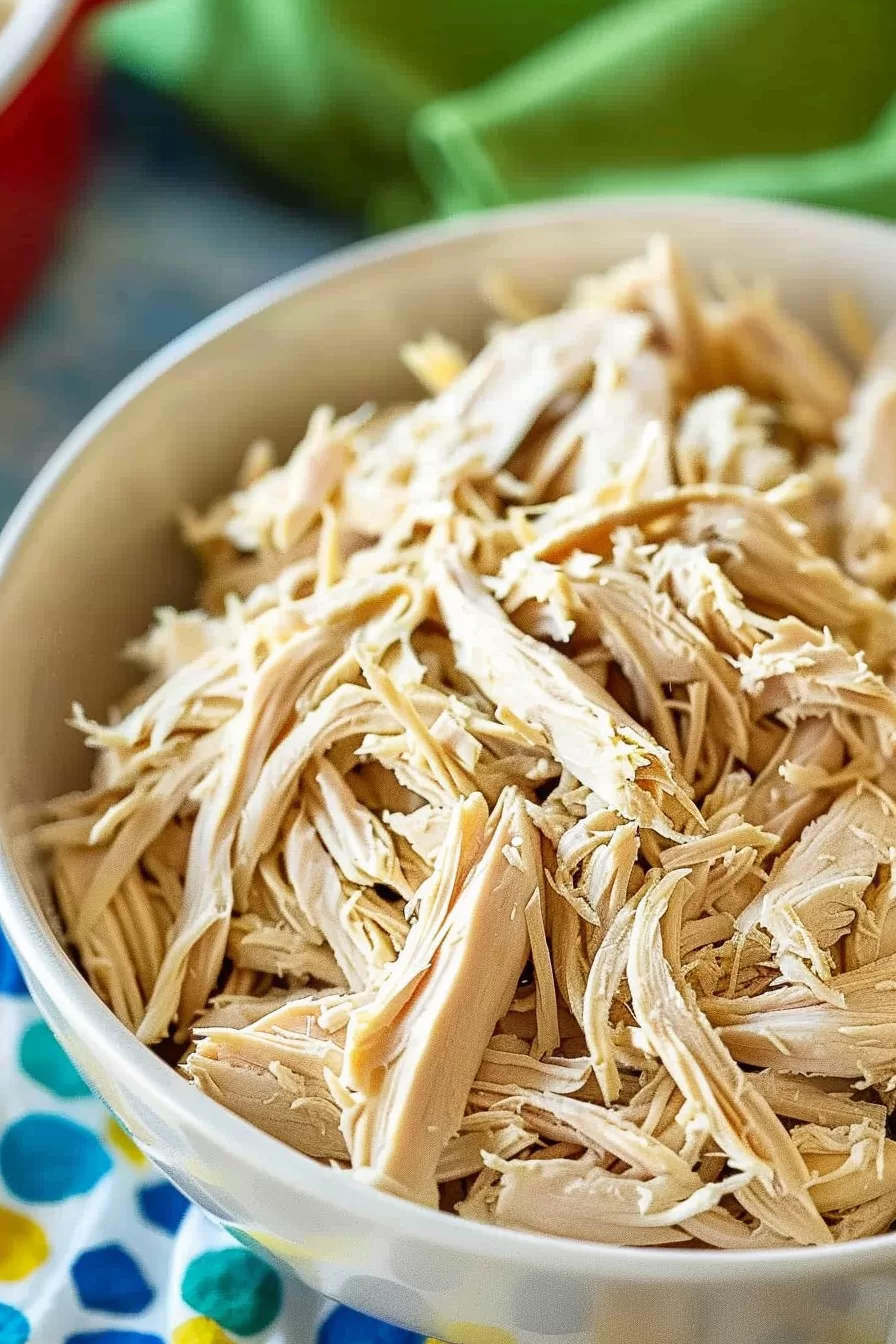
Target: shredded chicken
column 513, row 822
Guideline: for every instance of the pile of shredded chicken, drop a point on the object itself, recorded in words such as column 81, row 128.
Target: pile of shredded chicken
column 513, row 822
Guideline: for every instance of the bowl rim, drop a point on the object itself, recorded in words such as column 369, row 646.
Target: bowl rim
column 45, row 959
column 25, row 39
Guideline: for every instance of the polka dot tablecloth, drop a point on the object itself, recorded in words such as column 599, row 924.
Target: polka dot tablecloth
column 96, row 1248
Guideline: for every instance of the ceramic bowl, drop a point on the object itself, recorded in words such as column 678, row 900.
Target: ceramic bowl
column 46, row 107
column 92, row 549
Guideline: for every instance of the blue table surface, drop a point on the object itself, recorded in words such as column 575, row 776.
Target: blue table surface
column 169, row 226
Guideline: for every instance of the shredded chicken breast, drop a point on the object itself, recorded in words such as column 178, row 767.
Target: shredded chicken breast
column 513, row 822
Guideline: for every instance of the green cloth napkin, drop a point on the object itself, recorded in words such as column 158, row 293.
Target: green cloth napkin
column 407, row 108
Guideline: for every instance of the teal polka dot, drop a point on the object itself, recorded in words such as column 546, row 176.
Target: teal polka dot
column 14, row 1329
column 234, row 1288
column 43, row 1059
column 45, row 1158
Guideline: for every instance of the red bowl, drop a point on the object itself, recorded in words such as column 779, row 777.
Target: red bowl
column 45, row 117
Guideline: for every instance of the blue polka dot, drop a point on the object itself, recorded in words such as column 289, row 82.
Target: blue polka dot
column 44, row 1060
column 14, row 1329
column 163, row 1205
column 107, row 1278
column 11, row 982
column 112, row 1337
column 345, row 1326
column 45, row 1158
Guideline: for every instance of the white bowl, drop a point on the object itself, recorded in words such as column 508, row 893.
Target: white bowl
column 89, row 552
column 28, row 33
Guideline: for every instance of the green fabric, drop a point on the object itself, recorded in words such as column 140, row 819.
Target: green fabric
column 406, row 108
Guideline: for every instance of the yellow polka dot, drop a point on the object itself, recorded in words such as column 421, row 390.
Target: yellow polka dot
column 200, row 1330
column 326, row 1250
column 23, row 1246
column 278, row 1245
column 124, row 1144
column 466, row 1332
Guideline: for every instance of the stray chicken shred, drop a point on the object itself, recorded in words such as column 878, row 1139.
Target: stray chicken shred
column 513, row 822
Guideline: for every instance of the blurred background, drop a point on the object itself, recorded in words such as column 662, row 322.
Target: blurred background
column 160, row 158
